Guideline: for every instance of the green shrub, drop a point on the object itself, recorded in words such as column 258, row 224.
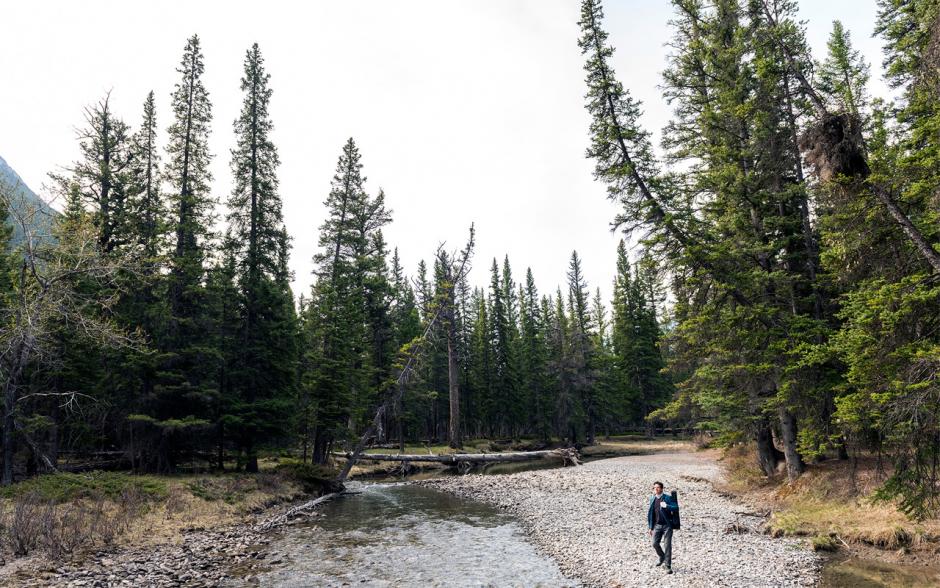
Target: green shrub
column 64, row 486
column 824, row 543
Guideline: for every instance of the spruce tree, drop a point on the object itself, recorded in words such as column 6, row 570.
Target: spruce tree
column 843, row 76
column 581, row 349
column 265, row 372
column 189, row 363
column 102, row 173
column 533, row 358
column 348, row 315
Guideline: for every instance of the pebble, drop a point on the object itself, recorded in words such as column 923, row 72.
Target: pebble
column 592, row 520
column 204, row 558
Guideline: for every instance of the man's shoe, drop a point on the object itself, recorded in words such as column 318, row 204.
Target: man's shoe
column 660, row 563
column 668, row 570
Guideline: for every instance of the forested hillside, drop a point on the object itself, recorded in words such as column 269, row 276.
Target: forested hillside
column 777, row 285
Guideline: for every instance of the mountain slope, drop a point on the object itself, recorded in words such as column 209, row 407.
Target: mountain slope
column 25, row 199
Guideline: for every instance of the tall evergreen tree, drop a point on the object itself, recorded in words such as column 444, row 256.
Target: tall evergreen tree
column 102, row 173
column 843, row 76
column 265, row 371
column 581, row 348
column 348, row 313
column 189, row 362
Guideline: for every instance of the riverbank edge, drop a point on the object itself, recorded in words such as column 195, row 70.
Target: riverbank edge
column 571, row 571
column 203, row 557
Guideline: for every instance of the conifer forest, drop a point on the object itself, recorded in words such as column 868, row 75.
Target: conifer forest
column 776, row 285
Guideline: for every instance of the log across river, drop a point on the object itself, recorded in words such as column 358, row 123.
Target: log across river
column 567, row 455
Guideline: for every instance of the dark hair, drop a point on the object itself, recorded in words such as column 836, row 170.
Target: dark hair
column 660, row 484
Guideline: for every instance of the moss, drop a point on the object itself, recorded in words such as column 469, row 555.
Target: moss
column 62, row 487
column 824, row 543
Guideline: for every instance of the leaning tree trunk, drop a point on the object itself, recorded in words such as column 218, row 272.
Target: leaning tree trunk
column 795, row 466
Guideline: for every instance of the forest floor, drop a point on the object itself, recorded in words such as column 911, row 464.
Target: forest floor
column 592, row 520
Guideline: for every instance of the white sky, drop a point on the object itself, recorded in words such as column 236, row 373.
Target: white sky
column 464, row 111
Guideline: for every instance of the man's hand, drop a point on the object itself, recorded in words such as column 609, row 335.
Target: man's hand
column 651, row 532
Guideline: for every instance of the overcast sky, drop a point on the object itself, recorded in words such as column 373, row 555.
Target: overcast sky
column 464, row 111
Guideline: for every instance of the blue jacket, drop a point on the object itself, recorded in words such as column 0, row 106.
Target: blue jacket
column 670, row 510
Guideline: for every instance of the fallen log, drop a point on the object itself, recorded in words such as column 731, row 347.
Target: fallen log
column 296, row 512
column 568, row 455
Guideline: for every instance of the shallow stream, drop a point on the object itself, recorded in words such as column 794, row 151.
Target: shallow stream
column 407, row 535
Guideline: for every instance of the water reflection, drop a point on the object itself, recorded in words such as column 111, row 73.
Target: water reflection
column 856, row 572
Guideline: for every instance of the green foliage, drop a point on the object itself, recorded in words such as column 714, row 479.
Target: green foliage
column 824, row 543
column 64, row 487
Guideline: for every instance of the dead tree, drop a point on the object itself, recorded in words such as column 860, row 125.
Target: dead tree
column 449, row 278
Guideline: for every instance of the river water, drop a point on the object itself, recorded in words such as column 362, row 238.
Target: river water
column 407, row 535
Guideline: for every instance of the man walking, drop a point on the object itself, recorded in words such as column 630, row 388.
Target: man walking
column 660, row 518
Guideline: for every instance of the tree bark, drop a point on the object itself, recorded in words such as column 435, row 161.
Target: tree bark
column 454, row 430
column 795, row 466
column 766, row 452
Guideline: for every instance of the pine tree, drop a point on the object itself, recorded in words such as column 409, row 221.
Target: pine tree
column 265, row 372
column 843, row 76
column 145, row 307
column 581, row 348
column 189, row 363
column 102, row 173
column 187, row 172
column 533, row 358
column 348, row 315
column 501, row 336
column 148, row 209
column 482, row 376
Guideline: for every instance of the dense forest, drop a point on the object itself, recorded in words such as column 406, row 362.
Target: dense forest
column 778, row 286
column 158, row 326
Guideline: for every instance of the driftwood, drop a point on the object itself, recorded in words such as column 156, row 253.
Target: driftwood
column 301, row 510
column 570, row 456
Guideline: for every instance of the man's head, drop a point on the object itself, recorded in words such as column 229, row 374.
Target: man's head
column 657, row 488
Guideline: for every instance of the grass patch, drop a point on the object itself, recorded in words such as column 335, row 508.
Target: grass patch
column 830, row 500
column 313, row 478
column 63, row 487
column 824, row 543
column 637, row 445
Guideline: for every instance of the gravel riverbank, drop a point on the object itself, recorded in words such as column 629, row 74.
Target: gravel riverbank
column 232, row 556
column 592, row 520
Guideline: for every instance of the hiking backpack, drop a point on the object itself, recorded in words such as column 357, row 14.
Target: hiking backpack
column 675, row 498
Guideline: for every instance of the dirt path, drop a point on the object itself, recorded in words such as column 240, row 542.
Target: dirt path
column 592, row 520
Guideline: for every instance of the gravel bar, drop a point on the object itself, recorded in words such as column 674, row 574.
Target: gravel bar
column 592, row 520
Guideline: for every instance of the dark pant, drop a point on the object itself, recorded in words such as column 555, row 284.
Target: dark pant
column 663, row 533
